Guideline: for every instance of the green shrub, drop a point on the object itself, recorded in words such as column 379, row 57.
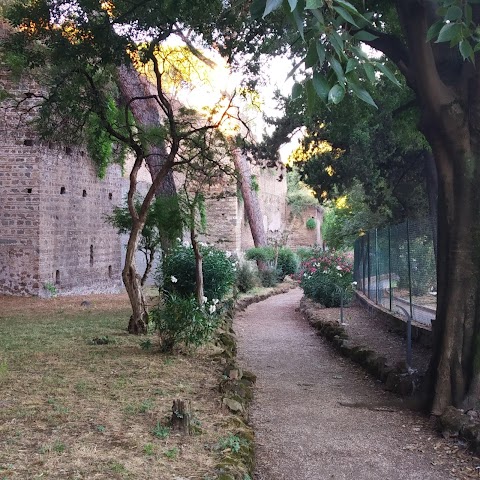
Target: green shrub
column 180, row 320
column 261, row 254
column 311, row 224
column 304, row 253
column 287, row 263
column 282, row 262
column 326, row 276
column 179, row 271
column 246, row 278
column 268, row 277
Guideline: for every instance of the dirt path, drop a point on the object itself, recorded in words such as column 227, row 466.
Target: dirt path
column 317, row 416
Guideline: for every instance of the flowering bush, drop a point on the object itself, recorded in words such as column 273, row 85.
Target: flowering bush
column 325, row 276
column 179, row 271
column 180, row 320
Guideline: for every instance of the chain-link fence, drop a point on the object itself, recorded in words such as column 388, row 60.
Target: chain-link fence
column 395, row 267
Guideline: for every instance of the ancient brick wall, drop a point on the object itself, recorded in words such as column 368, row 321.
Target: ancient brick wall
column 52, row 208
column 298, row 233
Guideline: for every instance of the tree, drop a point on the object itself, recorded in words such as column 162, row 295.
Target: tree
column 163, row 222
column 205, row 171
column 432, row 44
column 250, row 201
column 380, row 149
column 77, row 50
column 349, row 216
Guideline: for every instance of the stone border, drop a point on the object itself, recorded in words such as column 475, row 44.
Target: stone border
column 420, row 333
column 397, row 378
column 236, row 387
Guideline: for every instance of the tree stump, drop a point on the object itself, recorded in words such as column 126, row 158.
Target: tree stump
column 181, row 416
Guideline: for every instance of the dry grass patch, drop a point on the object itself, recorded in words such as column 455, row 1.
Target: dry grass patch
column 81, row 399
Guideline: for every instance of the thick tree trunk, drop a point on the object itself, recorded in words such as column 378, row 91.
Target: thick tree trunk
column 250, row 200
column 448, row 93
column 199, row 293
column 139, row 318
column 454, row 374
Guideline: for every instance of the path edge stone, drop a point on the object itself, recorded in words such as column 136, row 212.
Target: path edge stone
column 397, row 378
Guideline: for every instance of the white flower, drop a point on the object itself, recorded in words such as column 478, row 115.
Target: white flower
column 173, row 279
column 205, row 299
column 354, row 283
column 211, row 309
column 228, row 254
column 339, row 267
column 215, row 301
column 178, row 239
column 325, row 271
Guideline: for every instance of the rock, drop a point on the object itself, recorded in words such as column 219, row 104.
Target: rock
column 233, row 405
column 233, row 372
column 249, row 376
column 451, row 422
column 402, row 367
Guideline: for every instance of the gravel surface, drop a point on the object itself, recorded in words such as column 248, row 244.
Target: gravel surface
column 319, row 416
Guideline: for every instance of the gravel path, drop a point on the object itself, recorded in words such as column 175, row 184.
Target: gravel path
column 318, row 416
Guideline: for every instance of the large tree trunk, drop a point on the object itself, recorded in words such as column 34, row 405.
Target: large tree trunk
column 448, row 93
column 455, row 365
column 250, row 201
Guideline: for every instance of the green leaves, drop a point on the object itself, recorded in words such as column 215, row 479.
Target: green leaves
column 449, row 32
column 321, row 86
column 326, row 28
column 272, row 5
column 336, row 94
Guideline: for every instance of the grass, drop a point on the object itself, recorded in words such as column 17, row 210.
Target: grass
column 73, row 408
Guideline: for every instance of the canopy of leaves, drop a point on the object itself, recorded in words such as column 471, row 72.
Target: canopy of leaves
column 380, row 149
column 74, row 49
column 348, row 217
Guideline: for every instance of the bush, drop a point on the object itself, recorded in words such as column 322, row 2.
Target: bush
column 180, row 320
column 325, row 276
column 287, row 263
column 261, row 254
column 268, row 277
column 311, row 224
column 179, row 271
column 285, row 258
column 246, row 278
column 304, row 253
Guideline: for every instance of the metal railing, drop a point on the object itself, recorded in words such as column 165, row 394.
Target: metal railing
column 395, row 267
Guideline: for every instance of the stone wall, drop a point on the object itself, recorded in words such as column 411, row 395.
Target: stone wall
column 298, row 233
column 52, row 209
column 272, row 193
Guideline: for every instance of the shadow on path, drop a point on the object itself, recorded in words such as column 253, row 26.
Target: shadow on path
column 303, row 431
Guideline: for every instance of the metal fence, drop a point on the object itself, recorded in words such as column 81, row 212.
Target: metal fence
column 395, row 267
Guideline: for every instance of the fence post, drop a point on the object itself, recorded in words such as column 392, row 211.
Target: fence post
column 368, row 265
column 390, row 267
column 376, row 267
column 409, row 269
column 363, row 264
column 409, row 336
